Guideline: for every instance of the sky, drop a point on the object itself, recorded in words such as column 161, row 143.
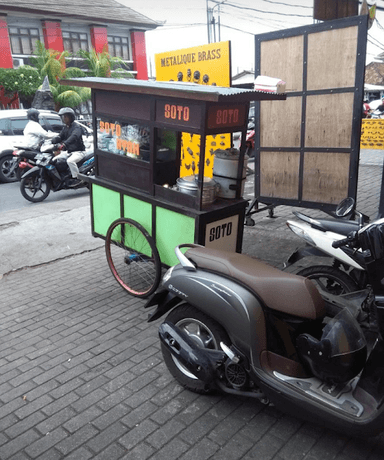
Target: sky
column 185, row 25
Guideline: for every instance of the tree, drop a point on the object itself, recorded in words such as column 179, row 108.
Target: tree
column 104, row 65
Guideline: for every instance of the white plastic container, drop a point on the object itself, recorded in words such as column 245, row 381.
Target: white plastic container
column 225, row 167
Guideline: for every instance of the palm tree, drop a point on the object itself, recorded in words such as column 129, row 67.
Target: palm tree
column 104, row 65
column 51, row 63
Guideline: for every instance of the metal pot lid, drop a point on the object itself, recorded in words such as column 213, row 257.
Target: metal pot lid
column 228, row 154
column 190, row 182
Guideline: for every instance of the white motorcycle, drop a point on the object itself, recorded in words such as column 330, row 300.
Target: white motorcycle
column 348, row 271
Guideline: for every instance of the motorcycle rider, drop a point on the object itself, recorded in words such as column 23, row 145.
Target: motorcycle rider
column 33, row 132
column 70, row 139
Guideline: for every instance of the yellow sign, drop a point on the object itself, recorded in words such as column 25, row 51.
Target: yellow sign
column 204, row 65
column 372, row 134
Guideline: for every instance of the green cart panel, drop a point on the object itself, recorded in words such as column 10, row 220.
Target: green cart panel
column 140, row 211
column 106, row 208
column 172, row 229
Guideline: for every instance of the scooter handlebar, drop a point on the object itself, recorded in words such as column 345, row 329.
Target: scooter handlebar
column 344, row 241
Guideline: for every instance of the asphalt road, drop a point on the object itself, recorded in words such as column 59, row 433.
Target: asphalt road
column 32, row 234
column 11, row 198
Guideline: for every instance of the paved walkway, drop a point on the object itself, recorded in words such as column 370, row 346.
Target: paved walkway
column 82, row 376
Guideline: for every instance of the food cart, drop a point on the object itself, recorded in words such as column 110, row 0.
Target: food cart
column 138, row 199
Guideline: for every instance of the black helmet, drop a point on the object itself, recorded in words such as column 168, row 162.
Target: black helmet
column 33, row 114
column 67, row 111
column 341, row 352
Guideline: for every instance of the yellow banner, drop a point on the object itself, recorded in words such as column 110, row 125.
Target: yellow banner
column 204, row 65
column 372, row 134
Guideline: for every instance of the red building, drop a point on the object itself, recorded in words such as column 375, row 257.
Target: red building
column 72, row 25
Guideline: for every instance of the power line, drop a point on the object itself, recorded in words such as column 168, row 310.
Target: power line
column 247, row 8
column 286, row 4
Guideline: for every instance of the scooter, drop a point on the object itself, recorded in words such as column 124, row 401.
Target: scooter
column 239, row 326
column 49, row 175
column 348, row 272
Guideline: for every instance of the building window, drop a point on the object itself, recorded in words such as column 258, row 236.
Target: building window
column 74, row 41
column 23, row 40
column 119, row 47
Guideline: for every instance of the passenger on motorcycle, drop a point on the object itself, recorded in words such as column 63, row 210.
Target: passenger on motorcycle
column 34, row 133
column 70, row 140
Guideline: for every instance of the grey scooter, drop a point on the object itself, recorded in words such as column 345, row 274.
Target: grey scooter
column 237, row 325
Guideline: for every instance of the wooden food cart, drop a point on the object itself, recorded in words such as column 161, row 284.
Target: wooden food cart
column 138, row 149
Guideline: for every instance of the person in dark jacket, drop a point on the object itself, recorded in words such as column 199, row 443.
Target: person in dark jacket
column 70, row 139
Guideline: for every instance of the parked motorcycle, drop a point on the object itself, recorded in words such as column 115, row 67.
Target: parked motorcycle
column 245, row 328
column 23, row 161
column 49, row 175
column 348, row 271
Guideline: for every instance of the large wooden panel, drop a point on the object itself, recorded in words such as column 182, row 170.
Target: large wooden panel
column 324, row 10
column 279, row 174
column 280, row 123
column 329, row 120
column 326, row 176
column 283, row 59
column 332, row 58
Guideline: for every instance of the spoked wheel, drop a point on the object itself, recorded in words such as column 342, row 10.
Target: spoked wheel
column 330, row 279
column 35, row 188
column 6, row 164
column 203, row 330
column 133, row 257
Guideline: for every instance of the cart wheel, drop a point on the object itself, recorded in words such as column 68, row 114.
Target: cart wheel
column 133, row 257
column 249, row 222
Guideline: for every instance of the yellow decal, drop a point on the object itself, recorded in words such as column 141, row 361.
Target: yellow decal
column 204, row 65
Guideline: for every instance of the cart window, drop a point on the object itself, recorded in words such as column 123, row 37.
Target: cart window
column 130, row 140
column 167, row 166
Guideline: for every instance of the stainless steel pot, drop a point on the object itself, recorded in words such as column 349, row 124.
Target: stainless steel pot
column 188, row 184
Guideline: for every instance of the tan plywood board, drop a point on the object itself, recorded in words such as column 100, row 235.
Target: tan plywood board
column 332, row 58
column 280, row 123
column 329, row 120
column 283, row 58
column 325, row 178
column 279, row 174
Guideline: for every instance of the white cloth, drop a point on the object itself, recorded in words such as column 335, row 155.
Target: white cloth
column 34, row 134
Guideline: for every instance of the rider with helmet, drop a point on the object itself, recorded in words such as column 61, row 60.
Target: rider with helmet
column 34, row 133
column 70, row 140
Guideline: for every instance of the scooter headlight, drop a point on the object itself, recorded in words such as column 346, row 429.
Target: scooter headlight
column 299, row 231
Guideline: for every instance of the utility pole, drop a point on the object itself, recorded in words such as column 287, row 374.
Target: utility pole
column 211, row 22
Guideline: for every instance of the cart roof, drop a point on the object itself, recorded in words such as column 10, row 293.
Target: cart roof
column 174, row 89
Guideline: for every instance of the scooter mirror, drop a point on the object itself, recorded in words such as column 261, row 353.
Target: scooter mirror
column 345, row 207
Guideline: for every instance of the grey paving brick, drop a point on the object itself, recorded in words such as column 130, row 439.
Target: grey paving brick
column 134, row 417
column 107, row 436
column 18, row 444
column 108, row 418
column 24, row 425
column 78, row 421
column 172, row 451
column 112, row 452
column 90, row 399
column 80, row 454
column 266, row 448
column 164, row 434
column 56, row 420
column 138, row 434
column 37, row 448
column 235, row 449
column 203, row 450
column 140, row 452
column 77, row 440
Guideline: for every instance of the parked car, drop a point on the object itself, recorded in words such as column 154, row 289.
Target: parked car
column 12, row 124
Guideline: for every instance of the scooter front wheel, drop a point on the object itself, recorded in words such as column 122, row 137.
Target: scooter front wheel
column 329, row 279
column 34, row 187
column 203, row 330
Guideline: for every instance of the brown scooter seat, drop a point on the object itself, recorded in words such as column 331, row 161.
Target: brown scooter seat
column 280, row 291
